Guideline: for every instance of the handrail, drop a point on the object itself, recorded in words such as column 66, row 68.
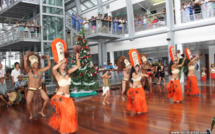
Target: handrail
column 96, row 26
column 9, row 3
column 19, row 34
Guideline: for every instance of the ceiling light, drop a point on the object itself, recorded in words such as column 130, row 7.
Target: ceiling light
column 158, row 3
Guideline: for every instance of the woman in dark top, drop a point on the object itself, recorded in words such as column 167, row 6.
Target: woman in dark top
column 157, row 74
column 109, row 20
column 197, row 9
column 161, row 73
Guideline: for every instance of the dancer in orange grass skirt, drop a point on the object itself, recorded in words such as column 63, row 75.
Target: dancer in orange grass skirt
column 191, row 84
column 65, row 117
column 136, row 94
column 174, row 86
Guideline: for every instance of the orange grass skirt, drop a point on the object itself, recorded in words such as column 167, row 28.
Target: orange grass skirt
column 136, row 100
column 191, row 86
column 65, row 117
column 175, row 90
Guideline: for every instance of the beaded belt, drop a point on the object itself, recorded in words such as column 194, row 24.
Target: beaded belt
column 62, row 94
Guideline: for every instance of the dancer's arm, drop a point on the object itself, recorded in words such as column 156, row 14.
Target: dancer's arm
column 77, row 65
column 110, row 75
column 54, row 69
column 199, row 57
column 27, row 69
column 48, row 66
column 182, row 62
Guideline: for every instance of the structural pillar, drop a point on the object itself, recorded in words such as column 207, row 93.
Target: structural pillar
column 112, row 58
column 177, row 11
column 78, row 6
column 102, row 53
column 130, row 18
column 170, row 23
column 180, row 47
column 100, row 7
column 211, row 55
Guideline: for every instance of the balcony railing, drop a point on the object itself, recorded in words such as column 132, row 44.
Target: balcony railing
column 98, row 26
column 9, row 3
column 195, row 17
column 19, row 34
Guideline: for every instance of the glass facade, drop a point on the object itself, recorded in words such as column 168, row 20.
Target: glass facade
column 53, row 27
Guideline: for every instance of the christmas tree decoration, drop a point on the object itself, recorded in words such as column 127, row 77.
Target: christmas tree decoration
column 84, row 79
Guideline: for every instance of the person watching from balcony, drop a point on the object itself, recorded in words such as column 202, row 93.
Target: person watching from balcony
column 210, row 10
column 22, row 29
column 105, row 24
column 99, row 22
column 197, row 9
column 125, row 25
column 80, row 23
column 110, row 66
column 115, row 25
column 136, row 22
column 38, row 30
column 74, row 18
column 86, row 24
column 182, row 14
column 110, row 20
column 191, row 11
column 140, row 23
column 26, row 30
column 32, row 29
column 161, row 21
column 204, row 9
column 145, row 21
column 186, row 12
column 93, row 24
column 120, row 24
column 15, row 73
column 17, row 24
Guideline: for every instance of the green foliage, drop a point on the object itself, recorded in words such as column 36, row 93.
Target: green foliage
column 86, row 75
column 183, row 68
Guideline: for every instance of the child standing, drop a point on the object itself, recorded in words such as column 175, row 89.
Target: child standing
column 106, row 86
column 204, row 75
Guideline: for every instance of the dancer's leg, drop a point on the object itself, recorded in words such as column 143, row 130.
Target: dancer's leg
column 123, row 89
column 46, row 100
column 108, row 96
column 29, row 99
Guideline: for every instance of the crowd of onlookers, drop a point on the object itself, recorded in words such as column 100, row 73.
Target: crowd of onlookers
column 28, row 30
column 197, row 9
column 106, row 23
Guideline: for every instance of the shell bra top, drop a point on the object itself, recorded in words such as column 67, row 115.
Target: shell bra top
column 191, row 68
column 176, row 71
column 137, row 79
column 212, row 70
column 64, row 82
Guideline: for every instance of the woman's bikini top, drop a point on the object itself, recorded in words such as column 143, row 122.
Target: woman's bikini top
column 191, row 68
column 212, row 70
column 203, row 73
column 176, row 71
column 137, row 79
column 64, row 82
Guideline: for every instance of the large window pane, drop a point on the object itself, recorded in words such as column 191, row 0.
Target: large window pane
column 52, row 10
column 53, row 2
column 52, row 27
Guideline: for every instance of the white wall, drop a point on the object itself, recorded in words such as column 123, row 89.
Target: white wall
column 211, row 54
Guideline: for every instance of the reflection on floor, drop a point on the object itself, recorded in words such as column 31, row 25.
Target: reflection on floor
column 194, row 114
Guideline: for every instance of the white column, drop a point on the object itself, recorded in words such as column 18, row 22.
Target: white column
column 180, row 47
column 177, row 11
column 112, row 58
column 211, row 55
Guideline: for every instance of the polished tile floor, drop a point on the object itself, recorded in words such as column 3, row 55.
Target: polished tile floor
column 163, row 117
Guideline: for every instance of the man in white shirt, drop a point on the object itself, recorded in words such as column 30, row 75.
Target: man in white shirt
column 145, row 21
column 15, row 73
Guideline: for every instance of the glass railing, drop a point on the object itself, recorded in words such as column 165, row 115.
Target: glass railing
column 19, row 34
column 195, row 17
column 151, row 22
column 9, row 3
column 97, row 26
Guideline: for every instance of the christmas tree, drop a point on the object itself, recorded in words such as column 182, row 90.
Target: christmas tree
column 85, row 77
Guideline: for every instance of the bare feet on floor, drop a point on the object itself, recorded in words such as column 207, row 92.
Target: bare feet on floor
column 31, row 117
column 103, row 103
column 41, row 113
column 107, row 102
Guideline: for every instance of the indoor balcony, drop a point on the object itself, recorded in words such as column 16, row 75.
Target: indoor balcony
column 97, row 29
column 17, row 38
column 17, row 8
